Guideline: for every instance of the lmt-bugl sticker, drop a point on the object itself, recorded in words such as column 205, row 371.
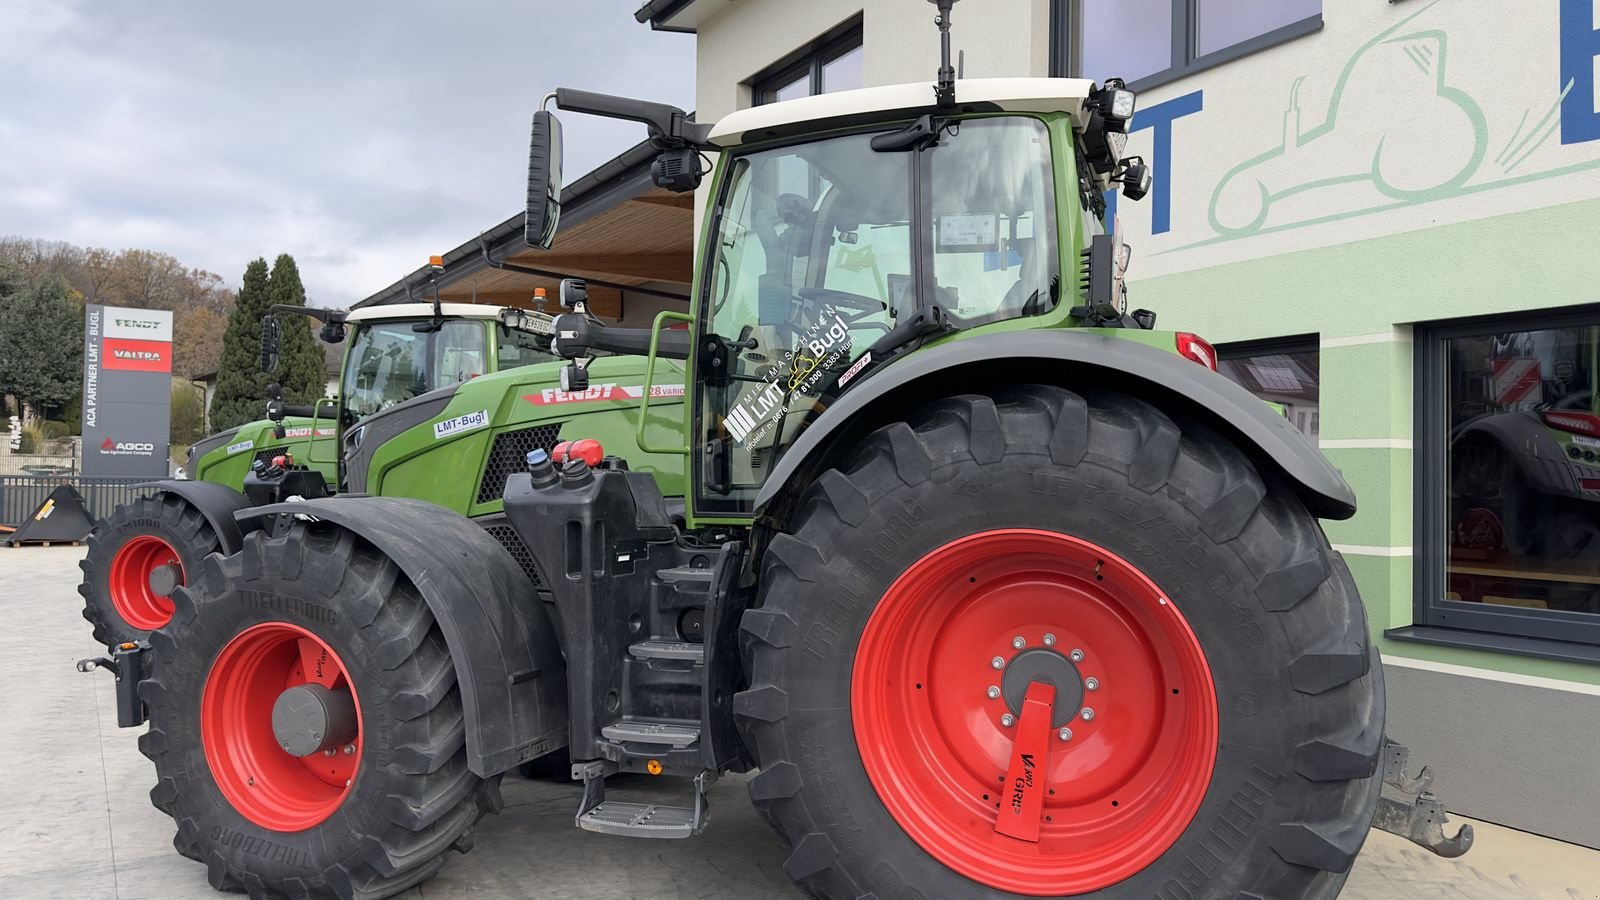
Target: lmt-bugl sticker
column 801, row 371
column 460, row 423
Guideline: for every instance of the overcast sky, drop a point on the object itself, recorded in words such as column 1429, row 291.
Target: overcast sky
column 358, row 135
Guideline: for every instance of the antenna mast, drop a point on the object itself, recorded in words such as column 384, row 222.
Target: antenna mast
column 944, row 91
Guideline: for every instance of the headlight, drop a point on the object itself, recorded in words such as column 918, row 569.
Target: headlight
column 1121, row 104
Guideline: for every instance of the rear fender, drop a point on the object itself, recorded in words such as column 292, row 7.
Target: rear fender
column 1075, row 359
column 218, row 503
column 508, row 662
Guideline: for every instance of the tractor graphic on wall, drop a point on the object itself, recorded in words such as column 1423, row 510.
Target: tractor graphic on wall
column 1396, row 132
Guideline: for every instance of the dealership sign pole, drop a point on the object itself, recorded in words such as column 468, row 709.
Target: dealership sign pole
column 127, row 390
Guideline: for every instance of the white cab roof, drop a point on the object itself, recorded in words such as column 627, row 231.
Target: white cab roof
column 423, row 311
column 1035, row 95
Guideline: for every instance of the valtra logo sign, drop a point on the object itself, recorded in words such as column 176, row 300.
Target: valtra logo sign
column 110, row 447
column 136, row 356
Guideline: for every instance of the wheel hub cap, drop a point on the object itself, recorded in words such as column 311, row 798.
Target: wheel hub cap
column 1046, row 667
column 309, row 718
column 1034, row 712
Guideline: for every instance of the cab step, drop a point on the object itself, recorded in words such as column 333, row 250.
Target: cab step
column 640, row 820
column 647, row 820
column 678, row 650
column 643, row 731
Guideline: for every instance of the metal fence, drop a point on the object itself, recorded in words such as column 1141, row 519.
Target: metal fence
column 20, row 495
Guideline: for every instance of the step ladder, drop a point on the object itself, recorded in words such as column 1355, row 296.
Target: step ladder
column 640, row 820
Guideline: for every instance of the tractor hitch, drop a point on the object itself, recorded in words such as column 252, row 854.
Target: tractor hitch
column 1408, row 809
column 126, row 664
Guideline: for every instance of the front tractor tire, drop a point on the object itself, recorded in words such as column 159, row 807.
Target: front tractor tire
column 306, row 724
column 136, row 557
column 1214, row 705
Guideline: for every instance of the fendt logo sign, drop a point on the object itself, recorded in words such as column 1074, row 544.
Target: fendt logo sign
column 127, row 448
column 138, row 324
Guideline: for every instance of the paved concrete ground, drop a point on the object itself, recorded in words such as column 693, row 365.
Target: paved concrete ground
column 75, row 819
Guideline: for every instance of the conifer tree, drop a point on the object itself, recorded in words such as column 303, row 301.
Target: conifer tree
column 241, row 387
column 302, row 367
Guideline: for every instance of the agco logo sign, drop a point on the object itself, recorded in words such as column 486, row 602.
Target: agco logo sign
column 110, row 447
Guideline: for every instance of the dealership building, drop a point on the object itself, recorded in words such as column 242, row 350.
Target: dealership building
column 1385, row 214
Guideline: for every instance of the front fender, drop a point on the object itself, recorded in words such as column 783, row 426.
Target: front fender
column 508, row 662
column 218, row 503
column 1072, row 359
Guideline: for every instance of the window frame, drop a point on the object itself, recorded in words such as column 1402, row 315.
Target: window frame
column 1066, row 52
column 1547, row 633
column 808, row 61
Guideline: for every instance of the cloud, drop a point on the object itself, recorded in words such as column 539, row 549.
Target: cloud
column 358, row 136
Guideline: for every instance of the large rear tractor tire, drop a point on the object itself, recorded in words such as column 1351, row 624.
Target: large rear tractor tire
column 306, row 725
column 136, row 556
column 1217, row 707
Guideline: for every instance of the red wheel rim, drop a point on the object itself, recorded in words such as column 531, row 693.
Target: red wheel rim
column 1126, row 783
column 129, row 583
column 267, row 785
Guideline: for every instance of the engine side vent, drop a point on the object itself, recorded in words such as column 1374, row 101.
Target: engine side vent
column 509, row 539
column 509, row 454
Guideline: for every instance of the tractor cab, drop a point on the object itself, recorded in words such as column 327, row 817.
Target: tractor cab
column 848, row 230
column 394, row 354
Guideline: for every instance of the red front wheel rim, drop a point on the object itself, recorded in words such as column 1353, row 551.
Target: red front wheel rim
column 131, row 595
column 266, row 784
column 1121, row 788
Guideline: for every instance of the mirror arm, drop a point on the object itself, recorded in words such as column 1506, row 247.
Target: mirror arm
column 669, row 126
column 321, row 314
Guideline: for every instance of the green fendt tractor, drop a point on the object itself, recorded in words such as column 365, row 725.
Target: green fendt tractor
column 1004, row 592
column 406, row 366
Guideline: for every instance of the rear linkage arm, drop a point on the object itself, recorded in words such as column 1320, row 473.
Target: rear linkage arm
column 1408, row 809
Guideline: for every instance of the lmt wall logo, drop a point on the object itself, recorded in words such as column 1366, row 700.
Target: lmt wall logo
column 127, row 390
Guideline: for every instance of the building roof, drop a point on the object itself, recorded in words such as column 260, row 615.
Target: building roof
column 1037, row 95
column 618, row 231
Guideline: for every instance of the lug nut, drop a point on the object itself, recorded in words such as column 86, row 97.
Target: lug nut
column 998, row 663
column 1008, row 720
column 1018, row 643
column 328, row 752
column 1049, row 640
column 1087, row 714
column 994, row 692
column 1066, row 734
column 1077, row 655
column 1092, row 683
column 349, row 749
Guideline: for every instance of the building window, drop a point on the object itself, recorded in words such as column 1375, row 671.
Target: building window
column 1148, row 42
column 1508, row 470
column 831, row 63
column 1283, row 372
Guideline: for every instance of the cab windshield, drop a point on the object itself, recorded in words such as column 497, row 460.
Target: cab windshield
column 390, row 363
column 822, row 248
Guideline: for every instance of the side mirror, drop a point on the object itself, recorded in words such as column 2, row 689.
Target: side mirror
column 544, row 181
column 271, row 343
